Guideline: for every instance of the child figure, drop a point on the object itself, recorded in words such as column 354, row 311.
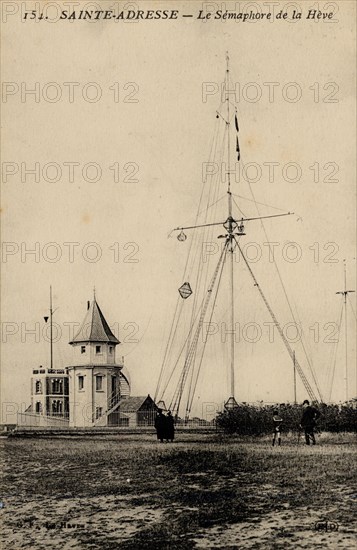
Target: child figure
column 277, row 425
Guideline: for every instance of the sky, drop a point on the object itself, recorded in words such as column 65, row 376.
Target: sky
column 119, row 130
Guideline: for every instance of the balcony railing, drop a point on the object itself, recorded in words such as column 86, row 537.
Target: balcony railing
column 50, row 371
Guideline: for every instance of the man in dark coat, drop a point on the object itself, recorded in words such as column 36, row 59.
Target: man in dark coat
column 170, row 427
column 160, row 422
column 308, row 422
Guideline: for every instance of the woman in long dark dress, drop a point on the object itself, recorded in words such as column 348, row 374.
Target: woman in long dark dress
column 160, row 425
column 170, row 427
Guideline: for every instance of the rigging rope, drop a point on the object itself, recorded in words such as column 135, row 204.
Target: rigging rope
column 241, row 211
column 257, row 202
column 207, row 234
column 210, row 206
column 187, row 269
column 176, row 400
column 213, row 147
column 289, row 304
column 276, row 322
column 190, row 260
column 192, row 389
column 179, row 300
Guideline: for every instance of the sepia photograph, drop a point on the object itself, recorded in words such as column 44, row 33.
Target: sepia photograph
column 178, row 275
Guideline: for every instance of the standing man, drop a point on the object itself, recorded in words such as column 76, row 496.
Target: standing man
column 308, row 421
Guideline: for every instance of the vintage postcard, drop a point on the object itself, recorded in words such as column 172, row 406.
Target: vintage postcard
column 178, row 274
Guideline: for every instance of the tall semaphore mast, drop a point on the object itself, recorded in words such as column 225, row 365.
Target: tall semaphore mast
column 234, row 230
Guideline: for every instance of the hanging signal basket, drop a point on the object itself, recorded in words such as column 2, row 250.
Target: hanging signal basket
column 185, row 290
column 181, row 236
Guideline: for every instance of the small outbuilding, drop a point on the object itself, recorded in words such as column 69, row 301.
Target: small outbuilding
column 135, row 411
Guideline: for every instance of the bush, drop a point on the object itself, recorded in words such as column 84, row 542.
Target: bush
column 255, row 420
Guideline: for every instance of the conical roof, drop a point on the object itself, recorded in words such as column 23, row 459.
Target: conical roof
column 94, row 328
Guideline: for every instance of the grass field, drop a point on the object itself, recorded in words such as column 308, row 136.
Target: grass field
column 203, row 491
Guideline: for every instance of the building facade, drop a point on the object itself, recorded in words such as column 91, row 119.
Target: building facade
column 49, row 392
column 94, row 376
column 88, row 392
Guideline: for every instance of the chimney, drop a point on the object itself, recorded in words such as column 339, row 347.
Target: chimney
column 88, row 304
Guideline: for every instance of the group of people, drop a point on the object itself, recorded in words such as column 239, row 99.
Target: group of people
column 307, row 423
column 165, row 426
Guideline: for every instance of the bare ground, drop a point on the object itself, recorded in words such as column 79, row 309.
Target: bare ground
column 200, row 492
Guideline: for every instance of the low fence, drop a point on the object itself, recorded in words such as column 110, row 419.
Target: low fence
column 32, row 420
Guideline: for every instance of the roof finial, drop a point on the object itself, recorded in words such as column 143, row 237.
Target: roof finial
column 94, row 293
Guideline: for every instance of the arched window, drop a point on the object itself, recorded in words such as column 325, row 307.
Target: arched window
column 38, row 407
column 57, row 407
column 57, row 386
column 38, row 386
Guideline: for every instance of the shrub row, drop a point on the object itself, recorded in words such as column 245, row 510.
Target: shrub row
column 254, row 420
